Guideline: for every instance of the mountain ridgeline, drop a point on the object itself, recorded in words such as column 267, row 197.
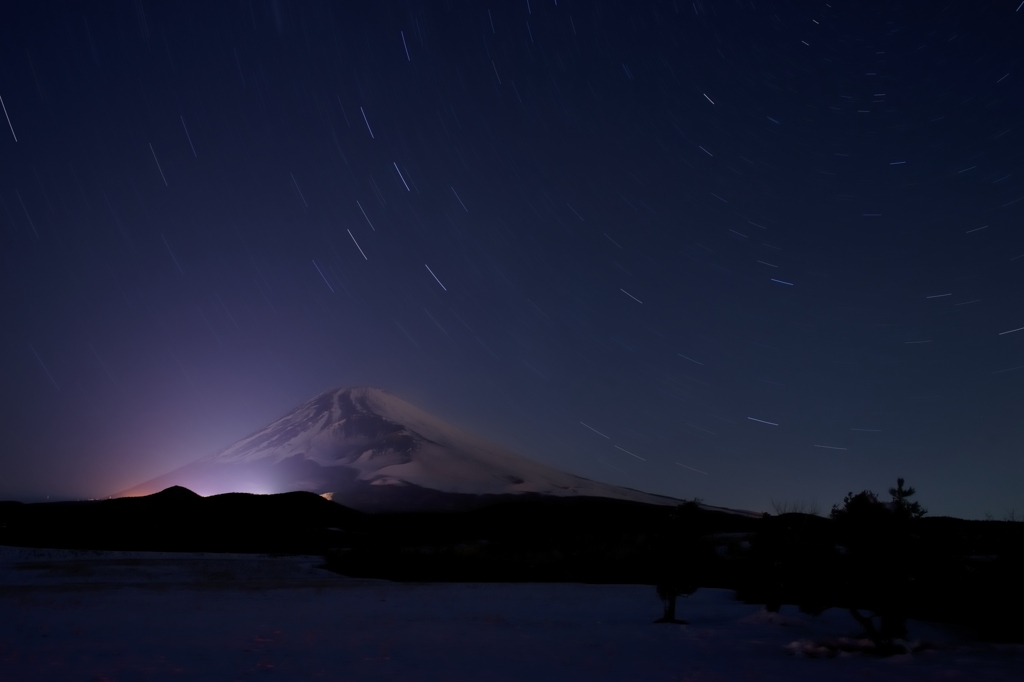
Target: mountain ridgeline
column 372, row 451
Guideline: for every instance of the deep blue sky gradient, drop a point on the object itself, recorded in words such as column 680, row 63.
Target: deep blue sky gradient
column 767, row 250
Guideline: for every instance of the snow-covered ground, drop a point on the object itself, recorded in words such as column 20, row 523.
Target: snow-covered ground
column 68, row 615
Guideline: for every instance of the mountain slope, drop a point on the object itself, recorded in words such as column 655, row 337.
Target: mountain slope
column 370, row 450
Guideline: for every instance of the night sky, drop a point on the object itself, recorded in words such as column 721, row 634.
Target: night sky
column 742, row 251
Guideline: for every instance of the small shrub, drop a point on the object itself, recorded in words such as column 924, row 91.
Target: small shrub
column 863, row 504
column 787, row 507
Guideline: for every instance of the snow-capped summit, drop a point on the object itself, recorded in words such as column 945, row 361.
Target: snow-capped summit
column 372, row 450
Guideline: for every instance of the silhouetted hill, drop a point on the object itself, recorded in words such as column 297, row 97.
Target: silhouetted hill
column 177, row 519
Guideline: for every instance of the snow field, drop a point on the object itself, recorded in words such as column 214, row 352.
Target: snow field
column 138, row 616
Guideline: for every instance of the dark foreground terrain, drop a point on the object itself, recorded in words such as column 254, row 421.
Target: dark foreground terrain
column 940, row 569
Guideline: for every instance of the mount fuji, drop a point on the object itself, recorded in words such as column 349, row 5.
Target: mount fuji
column 370, row 450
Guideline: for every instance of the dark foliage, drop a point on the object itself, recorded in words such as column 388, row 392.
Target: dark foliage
column 891, row 563
column 862, row 505
column 682, row 561
column 902, row 506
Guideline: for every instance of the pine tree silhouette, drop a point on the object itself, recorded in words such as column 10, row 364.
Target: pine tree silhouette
column 901, row 501
column 871, row 529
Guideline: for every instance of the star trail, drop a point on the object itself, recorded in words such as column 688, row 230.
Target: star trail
column 762, row 250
